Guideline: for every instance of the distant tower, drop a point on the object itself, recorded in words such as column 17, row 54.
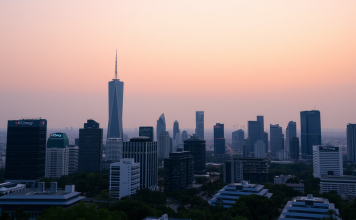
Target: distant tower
column 310, row 132
column 294, row 148
column 161, row 126
column 237, row 140
column 291, row 131
column 184, row 136
column 351, row 142
column 116, row 96
column 219, row 140
column 176, row 135
column 199, row 129
column 276, row 141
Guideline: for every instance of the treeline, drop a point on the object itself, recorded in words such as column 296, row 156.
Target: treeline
column 90, row 184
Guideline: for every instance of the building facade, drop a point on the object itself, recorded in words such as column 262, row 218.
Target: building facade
column 327, row 161
column 233, row 171
column 178, row 171
column 161, row 126
column 276, row 139
column 146, row 132
column 230, row 193
column 282, row 179
column 265, row 139
column 351, row 142
column 73, row 152
column 237, row 140
column 254, row 134
column 294, row 148
column 25, row 150
column 90, row 147
column 199, row 124
column 144, row 151
column 260, row 149
column 163, row 144
column 197, row 149
column 310, row 132
column 308, row 207
column 113, row 149
column 184, row 136
column 124, row 178
column 57, row 155
column 116, row 97
column 343, row 185
column 291, row 131
column 219, row 140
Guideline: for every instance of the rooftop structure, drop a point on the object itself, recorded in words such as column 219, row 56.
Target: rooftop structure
column 34, row 201
column 6, row 188
column 307, row 207
column 343, row 185
column 230, row 193
column 282, row 179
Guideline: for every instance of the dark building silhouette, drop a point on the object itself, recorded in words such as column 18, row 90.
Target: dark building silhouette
column 196, row 147
column 144, row 151
column 116, row 96
column 254, row 169
column 237, row 140
column 199, row 129
column 178, row 171
column 161, row 126
column 265, row 139
column 219, row 140
column 351, row 142
column 294, row 148
column 310, row 132
column 276, row 139
column 76, row 142
column 25, row 150
column 175, row 129
column 90, row 147
column 246, row 148
column 260, row 119
column 254, row 134
column 146, row 132
column 291, row 131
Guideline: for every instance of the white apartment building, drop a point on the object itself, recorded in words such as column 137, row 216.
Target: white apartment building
column 124, row 178
column 308, row 207
column 343, row 185
column 57, row 155
column 327, row 160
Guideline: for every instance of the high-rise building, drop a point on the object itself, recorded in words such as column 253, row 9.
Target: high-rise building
column 254, row 133
column 291, row 131
column 351, row 142
column 294, row 148
column 246, row 148
column 116, row 96
column 310, row 132
column 113, row 149
column 184, row 136
column 161, row 126
column 178, row 171
column 146, row 131
column 233, row 171
column 144, row 151
column 276, row 139
column 219, row 140
column 175, row 129
column 57, row 155
column 73, row 152
column 237, row 140
column 163, row 144
column 327, row 161
column 196, row 147
column 124, row 178
column 265, row 139
column 199, row 130
column 262, row 124
column 25, row 150
column 90, row 147
column 260, row 149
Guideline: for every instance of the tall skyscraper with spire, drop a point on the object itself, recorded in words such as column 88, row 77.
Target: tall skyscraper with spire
column 116, row 96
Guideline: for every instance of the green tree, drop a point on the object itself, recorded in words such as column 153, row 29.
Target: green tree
column 21, row 215
column 134, row 209
column 254, row 207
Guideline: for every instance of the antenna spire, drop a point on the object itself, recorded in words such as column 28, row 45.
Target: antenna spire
column 116, row 65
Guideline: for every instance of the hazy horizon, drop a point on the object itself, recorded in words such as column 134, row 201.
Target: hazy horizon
column 233, row 60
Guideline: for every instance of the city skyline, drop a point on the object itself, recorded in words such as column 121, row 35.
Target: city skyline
column 250, row 49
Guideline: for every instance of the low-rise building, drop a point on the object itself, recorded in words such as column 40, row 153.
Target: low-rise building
column 230, row 193
column 6, row 188
column 308, row 207
column 163, row 217
column 343, row 185
column 282, row 179
column 297, row 186
column 34, row 201
column 124, row 178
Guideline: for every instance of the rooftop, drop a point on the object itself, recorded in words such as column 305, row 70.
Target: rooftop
column 33, row 194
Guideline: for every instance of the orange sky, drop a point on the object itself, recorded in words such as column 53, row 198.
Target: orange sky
column 232, row 59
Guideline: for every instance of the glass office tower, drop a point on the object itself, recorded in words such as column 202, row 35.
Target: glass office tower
column 310, row 132
column 199, row 130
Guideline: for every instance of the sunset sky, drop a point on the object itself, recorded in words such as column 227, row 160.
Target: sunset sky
column 232, row 59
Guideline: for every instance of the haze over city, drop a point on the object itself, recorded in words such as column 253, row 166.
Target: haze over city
column 233, row 60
